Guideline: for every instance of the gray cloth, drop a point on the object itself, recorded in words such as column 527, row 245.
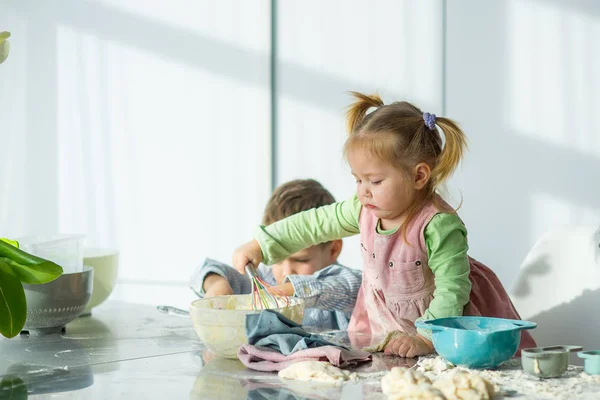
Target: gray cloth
column 275, row 331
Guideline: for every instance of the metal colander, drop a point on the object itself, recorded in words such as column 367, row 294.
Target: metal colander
column 53, row 305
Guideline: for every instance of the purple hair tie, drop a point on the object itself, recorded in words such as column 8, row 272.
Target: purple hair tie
column 429, row 120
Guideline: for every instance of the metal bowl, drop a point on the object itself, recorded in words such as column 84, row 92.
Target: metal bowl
column 547, row 362
column 52, row 305
column 476, row 342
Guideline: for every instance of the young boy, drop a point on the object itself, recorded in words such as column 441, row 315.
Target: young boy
column 329, row 289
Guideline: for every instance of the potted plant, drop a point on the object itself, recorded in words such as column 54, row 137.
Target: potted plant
column 18, row 267
column 4, row 46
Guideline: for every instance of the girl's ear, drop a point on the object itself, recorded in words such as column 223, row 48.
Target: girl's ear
column 422, row 173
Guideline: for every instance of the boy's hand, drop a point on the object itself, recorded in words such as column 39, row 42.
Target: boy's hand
column 286, row 289
column 409, row 346
column 248, row 252
column 216, row 285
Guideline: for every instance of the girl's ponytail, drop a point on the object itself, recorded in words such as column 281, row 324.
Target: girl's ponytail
column 452, row 152
column 357, row 110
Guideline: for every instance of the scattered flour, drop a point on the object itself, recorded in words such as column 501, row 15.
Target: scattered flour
column 510, row 379
column 436, row 379
column 433, row 366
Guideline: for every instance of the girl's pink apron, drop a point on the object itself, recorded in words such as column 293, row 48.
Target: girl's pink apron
column 398, row 284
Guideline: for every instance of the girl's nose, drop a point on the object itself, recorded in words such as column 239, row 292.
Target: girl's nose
column 365, row 192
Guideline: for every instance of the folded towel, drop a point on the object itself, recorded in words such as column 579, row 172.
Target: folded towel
column 275, row 331
column 275, row 342
column 268, row 359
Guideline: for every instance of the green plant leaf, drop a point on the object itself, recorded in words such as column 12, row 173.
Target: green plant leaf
column 13, row 388
column 9, row 251
column 35, row 274
column 13, row 243
column 13, row 304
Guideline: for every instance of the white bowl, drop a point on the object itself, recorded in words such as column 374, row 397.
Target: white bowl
column 220, row 321
column 105, row 263
column 63, row 249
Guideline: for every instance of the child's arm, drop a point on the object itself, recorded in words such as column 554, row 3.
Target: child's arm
column 333, row 288
column 215, row 278
column 446, row 240
column 216, row 285
column 279, row 240
column 307, row 228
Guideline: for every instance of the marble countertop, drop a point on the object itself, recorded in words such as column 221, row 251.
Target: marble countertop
column 133, row 351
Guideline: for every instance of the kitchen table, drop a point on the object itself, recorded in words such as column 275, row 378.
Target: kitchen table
column 132, row 351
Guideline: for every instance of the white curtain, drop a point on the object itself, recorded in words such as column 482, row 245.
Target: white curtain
column 144, row 125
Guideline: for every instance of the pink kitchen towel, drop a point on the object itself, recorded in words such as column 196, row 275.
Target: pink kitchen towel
column 268, row 360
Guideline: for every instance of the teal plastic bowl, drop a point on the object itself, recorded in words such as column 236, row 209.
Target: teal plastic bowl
column 476, row 342
column 592, row 361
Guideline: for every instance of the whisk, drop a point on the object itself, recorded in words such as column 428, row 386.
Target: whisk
column 264, row 295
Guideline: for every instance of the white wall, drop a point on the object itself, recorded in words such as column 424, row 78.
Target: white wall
column 139, row 122
column 522, row 79
column 327, row 48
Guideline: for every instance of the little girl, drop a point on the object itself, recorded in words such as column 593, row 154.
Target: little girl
column 414, row 245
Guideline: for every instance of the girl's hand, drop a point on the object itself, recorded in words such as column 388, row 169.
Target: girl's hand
column 248, row 252
column 409, row 346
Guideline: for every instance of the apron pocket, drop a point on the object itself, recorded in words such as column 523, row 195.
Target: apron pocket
column 406, row 277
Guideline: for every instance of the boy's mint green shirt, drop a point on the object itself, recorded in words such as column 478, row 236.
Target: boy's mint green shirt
column 445, row 238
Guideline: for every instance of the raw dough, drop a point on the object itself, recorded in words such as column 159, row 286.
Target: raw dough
column 465, row 386
column 319, row 371
column 381, row 346
column 403, row 383
column 433, row 366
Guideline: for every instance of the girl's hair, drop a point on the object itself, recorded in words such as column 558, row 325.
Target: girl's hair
column 397, row 133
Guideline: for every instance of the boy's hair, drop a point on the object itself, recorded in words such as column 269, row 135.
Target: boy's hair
column 397, row 133
column 295, row 196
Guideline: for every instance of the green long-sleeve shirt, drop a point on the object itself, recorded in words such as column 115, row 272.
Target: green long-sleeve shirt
column 445, row 238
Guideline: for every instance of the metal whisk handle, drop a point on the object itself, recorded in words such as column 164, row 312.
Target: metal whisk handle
column 250, row 271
